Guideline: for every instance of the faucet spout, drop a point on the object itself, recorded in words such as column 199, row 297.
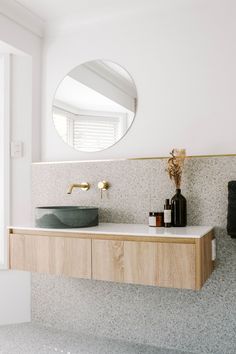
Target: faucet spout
column 84, row 186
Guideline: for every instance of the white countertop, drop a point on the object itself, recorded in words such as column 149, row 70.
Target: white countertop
column 132, row 230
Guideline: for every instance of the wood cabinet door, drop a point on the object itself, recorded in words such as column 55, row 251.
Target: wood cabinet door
column 176, row 265
column 55, row 255
column 140, row 263
column 148, row 263
column 108, row 260
column 204, row 263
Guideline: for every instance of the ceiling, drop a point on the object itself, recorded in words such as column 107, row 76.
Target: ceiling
column 50, row 10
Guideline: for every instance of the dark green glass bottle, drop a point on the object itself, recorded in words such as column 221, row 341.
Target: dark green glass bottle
column 179, row 209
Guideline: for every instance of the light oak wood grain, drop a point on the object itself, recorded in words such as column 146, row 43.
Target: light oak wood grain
column 168, row 262
column 176, row 265
column 54, row 255
column 108, row 260
column 140, row 263
column 61, row 233
column 204, row 263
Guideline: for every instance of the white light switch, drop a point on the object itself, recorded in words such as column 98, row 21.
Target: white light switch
column 16, row 149
column 213, row 247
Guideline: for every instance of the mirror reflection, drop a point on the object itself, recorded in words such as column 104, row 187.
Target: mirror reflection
column 94, row 105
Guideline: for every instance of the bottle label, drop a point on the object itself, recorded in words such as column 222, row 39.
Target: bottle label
column 167, row 216
column 152, row 221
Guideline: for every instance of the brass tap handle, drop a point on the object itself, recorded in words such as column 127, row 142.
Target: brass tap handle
column 103, row 186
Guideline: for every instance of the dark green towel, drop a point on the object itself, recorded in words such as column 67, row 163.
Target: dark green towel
column 231, row 218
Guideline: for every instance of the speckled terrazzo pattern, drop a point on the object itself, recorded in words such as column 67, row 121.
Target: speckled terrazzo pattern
column 138, row 186
column 33, row 339
column 203, row 321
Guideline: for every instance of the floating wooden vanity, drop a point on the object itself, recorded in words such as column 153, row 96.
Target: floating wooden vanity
column 175, row 257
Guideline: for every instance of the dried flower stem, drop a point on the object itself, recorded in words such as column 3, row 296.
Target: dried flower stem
column 175, row 166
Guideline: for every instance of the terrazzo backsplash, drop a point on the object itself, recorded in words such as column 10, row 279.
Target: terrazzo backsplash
column 200, row 322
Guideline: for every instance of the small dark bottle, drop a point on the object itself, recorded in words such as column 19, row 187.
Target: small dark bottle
column 167, row 214
column 179, row 209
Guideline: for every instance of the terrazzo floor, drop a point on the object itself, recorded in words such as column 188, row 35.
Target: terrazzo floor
column 33, row 339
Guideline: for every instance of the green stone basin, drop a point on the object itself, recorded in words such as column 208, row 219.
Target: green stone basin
column 66, row 217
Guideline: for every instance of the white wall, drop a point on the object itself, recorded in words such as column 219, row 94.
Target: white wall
column 21, row 130
column 2, row 175
column 15, row 297
column 21, row 40
column 181, row 56
column 15, row 305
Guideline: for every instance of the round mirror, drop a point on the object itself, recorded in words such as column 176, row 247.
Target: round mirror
column 94, row 105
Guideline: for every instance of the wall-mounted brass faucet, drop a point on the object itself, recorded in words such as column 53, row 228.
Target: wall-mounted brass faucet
column 84, row 186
